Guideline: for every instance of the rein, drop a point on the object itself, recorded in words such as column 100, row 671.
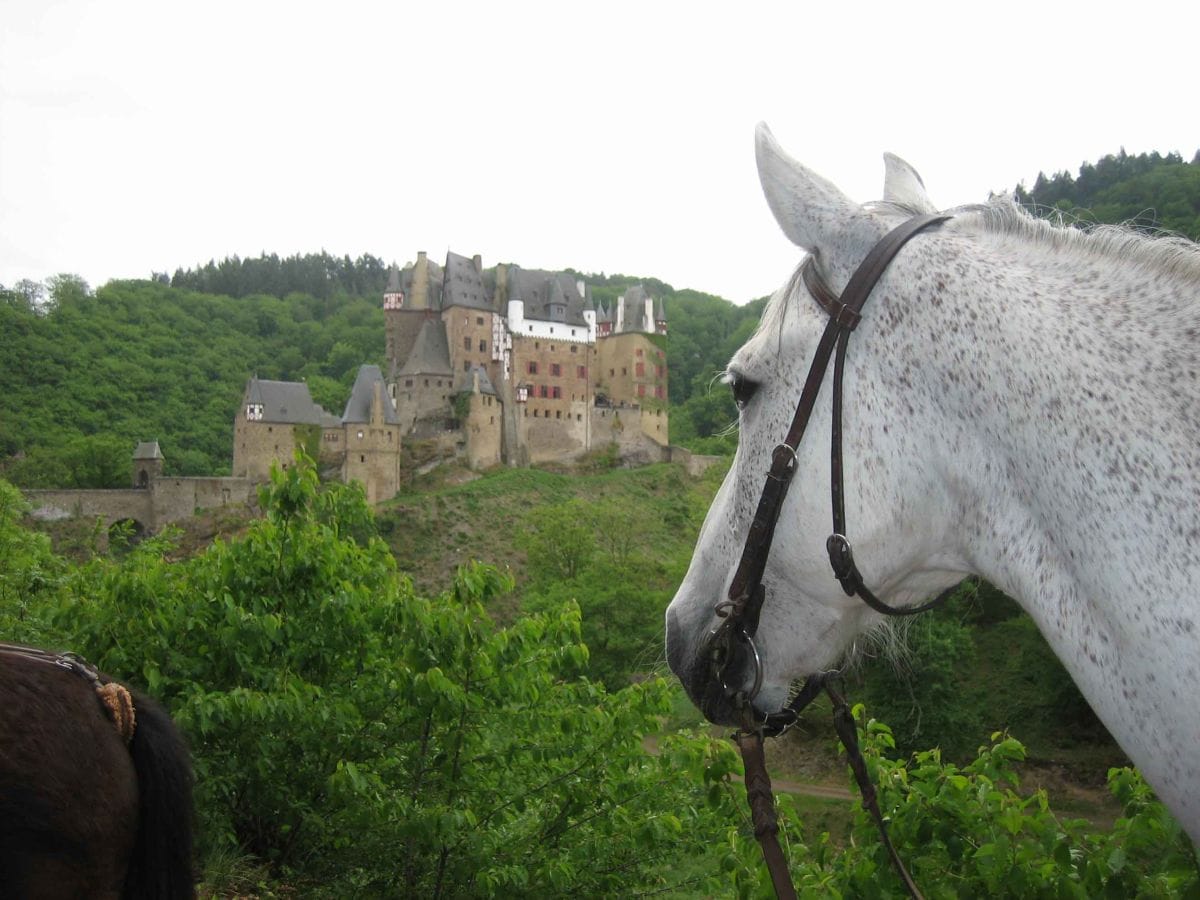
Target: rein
column 733, row 640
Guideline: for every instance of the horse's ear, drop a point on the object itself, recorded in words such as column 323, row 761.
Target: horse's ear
column 902, row 185
column 811, row 211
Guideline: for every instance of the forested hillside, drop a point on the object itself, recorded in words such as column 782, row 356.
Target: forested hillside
column 87, row 374
column 1150, row 191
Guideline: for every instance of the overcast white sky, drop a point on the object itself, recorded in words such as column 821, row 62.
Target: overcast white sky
column 610, row 136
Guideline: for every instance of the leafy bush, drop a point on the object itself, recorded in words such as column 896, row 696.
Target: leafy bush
column 360, row 738
column 970, row 832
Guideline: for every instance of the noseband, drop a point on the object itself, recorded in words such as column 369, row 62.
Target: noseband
column 743, row 606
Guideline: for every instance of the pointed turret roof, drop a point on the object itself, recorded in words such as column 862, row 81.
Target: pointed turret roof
column 463, row 284
column 430, row 353
column 287, row 402
column 362, row 396
column 538, row 290
column 466, row 383
column 147, row 450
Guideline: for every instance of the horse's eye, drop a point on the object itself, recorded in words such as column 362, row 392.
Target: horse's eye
column 743, row 389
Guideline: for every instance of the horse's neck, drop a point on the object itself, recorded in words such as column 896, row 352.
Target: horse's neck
column 1081, row 395
column 1075, row 405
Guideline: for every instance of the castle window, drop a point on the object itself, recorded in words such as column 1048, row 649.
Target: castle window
column 360, row 434
column 254, row 412
column 612, row 373
column 658, row 390
column 574, row 349
column 531, row 369
column 479, row 320
column 408, row 382
column 578, row 417
column 581, row 371
column 558, row 414
column 466, row 365
column 659, row 371
column 641, row 390
column 270, row 428
column 537, row 345
column 362, row 458
column 543, row 391
column 639, row 369
column 483, row 346
column 624, row 371
column 426, row 382
column 467, row 342
column 639, row 353
column 556, row 392
column 555, row 369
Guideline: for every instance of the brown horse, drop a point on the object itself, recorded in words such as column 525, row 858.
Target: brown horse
column 95, row 786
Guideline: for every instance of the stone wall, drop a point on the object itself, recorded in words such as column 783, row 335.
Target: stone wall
column 469, row 334
column 166, row 500
column 373, row 459
column 257, row 444
column 696, row 464
column 625, row 428
column 631, row 368
column 173, row 499
column 111, row 506
column 422, row 398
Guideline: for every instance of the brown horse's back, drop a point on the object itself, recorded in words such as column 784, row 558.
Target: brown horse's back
column 68, row 789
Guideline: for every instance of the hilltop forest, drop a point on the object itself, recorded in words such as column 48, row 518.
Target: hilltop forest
column 88, row 373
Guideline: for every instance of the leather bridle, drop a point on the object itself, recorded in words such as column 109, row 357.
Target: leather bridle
column 732, row 641
column 741, row 609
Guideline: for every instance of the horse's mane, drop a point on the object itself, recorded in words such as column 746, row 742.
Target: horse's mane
column 1154, row 253
column 1162, row 253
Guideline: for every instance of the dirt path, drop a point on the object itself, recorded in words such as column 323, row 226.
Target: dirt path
column 779, row 785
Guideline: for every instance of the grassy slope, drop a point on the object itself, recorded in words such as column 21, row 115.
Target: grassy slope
column 449, row 517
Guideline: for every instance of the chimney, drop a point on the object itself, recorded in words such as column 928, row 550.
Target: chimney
column 478, row 260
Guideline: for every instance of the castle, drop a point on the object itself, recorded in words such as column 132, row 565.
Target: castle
column 497, row 366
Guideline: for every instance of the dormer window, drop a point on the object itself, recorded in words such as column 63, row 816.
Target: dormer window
column 254, row 412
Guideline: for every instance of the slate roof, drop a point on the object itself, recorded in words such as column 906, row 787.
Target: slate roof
column 288, row 402
column 147, row 450
column 539, row 290
column 466, row 383
column 434, row 285
column 430, row 353
column 358, row 407
column 633, row 304
column 464, row 285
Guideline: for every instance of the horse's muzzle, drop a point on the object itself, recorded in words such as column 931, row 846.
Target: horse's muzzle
column 722, row 676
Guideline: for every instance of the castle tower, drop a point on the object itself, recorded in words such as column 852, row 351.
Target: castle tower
column 481, row 418
column 147, row 463
column 412, row 295
column 372, row 437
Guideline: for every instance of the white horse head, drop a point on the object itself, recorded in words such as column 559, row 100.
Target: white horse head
column 1022, row 402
